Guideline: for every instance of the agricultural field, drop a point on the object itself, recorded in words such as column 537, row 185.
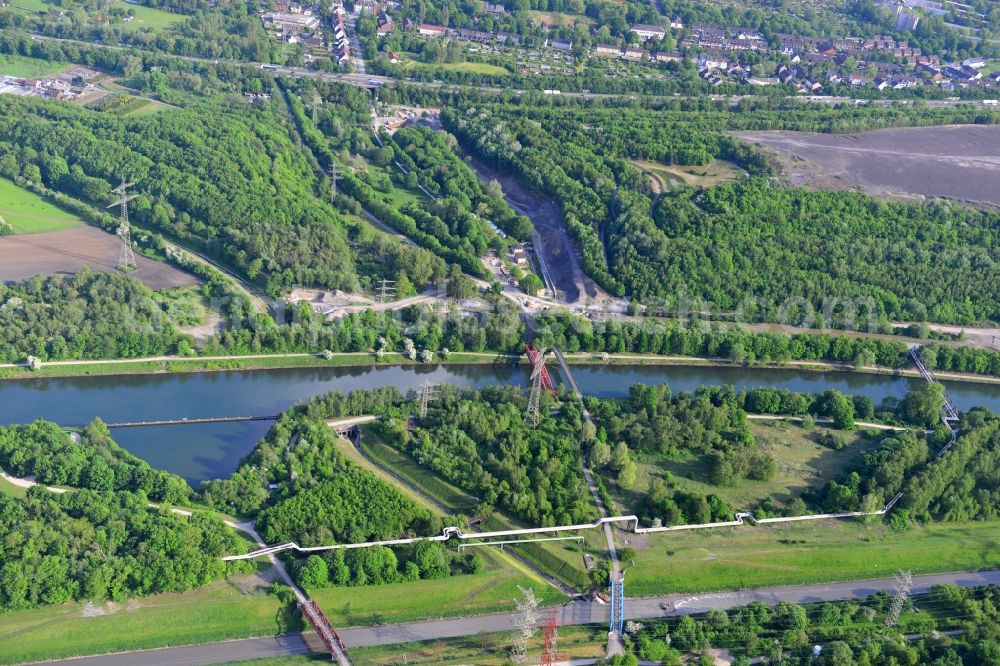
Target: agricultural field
column 233, row 609
column 69, row 251
column 957, row 162
column 804, row 553
column 29, row 68
column 29, row 213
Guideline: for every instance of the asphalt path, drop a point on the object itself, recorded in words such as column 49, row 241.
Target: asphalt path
column 574, row 613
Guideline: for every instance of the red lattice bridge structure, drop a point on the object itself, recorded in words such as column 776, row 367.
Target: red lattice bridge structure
column 534, row 355
column 325, row 630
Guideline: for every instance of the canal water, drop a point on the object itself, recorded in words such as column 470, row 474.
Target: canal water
column 208, row 451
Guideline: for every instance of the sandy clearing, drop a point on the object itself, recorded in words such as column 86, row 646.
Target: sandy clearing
column 67, row 252
column 957, row 161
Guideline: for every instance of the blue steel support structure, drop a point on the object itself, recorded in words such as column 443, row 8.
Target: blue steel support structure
column 621, row 606
column 614, row 606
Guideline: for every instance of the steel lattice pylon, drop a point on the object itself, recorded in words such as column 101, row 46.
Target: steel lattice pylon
column 428, row 392
column 126, row 257
column 540, row 380
column 549, row 634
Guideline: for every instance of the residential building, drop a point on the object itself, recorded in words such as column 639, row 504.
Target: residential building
column 646, row 31
column 428, row 30
column 907, row 22
column 497, row 9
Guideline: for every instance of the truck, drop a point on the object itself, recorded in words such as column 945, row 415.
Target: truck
column 549, row 91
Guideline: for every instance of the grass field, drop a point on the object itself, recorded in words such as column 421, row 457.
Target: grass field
column 217, row 612
column 557, row 18
column 483, row 649
column 474, row 67
column 355, row 457
column 409, row 61
column 148, row 17
column 666, row 177
column 802, row 463
column 150, row 107
column 492, row 591
column 29, row 68
column 29, row 213
column 10, row 489
column 430, row 484
column 815, row 552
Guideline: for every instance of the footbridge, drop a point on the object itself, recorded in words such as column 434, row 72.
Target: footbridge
column 196, row 421
column 950, row 413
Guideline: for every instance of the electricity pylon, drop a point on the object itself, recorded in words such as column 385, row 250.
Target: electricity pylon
column 428, row 392
column 386, row 290
column 535, row 397
column 126, row 257
column 904, row 583
column 525, row 625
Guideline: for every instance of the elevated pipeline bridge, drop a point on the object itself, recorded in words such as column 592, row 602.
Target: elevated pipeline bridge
column 631, row 524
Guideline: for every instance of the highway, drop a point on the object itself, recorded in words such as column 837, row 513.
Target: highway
column 578, row 612
column 362, row 80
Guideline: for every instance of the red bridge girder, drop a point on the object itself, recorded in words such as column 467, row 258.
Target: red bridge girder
column 533, row 356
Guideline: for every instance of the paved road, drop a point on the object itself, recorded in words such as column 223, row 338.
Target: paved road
column 579, row 612
column 363, row 81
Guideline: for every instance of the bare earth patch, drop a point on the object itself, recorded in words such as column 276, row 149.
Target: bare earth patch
column 93, row 610
column 67, row 252
column 958, row 162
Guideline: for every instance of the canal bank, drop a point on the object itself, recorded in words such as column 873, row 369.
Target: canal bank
column 231, row 363
column 213, row 450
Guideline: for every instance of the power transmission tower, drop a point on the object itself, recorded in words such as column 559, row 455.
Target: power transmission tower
column 527, row 621
column 549, row 640
column 385, row 290
column 126, row 258
column 904, row 583
column 428, row 392
column 535, row 397
column 333, row 180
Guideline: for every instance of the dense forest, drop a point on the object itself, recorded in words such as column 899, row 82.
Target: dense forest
column 479, row 441
column 379, row 565
column 960, row 485
column 302, row 488
column 753, row 240
column 49, row 453
column 848, row 633
column 100, row 316
column 652, row 252
column 87, row 315
column 230, row 183
column 95, row 545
